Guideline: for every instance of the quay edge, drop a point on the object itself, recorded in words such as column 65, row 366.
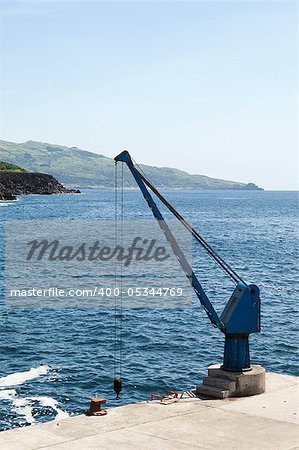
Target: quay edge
column 265, row 421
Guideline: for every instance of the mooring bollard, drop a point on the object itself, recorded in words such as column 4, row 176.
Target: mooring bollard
column 95, row 407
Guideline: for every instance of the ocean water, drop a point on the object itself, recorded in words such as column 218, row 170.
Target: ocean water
column 52, row 361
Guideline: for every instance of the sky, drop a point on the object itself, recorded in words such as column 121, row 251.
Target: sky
column 206, row 87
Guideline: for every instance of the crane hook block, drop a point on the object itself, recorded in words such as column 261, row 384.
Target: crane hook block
column 117, row 385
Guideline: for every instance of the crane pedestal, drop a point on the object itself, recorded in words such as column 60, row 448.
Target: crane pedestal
column 222, row 383
column 236, row 353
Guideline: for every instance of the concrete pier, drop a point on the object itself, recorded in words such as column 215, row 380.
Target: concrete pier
column 265, row 421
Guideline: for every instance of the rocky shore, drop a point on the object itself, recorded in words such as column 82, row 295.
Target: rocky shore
column 13, row 184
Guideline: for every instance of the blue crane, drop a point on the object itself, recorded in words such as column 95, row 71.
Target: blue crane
column 241, row 315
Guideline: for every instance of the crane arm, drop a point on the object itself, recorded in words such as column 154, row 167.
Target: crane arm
column 203, row 298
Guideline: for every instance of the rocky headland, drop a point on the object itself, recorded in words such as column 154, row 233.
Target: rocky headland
column 24, row 183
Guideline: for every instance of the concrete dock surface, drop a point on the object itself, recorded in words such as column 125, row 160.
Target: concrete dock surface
column 265, row 421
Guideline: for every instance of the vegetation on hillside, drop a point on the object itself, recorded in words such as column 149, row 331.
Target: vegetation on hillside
column 76, row 167
column 11, row 168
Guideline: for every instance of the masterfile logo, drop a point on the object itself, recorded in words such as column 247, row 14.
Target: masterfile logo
column 140, row 249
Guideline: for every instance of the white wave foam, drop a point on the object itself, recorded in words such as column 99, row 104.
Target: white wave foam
column 24, row 406
column 18, row 378
column 7, row 394
column 52, row 403
column 8, row 202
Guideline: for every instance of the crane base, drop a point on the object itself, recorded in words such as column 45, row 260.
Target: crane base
column 222, row 383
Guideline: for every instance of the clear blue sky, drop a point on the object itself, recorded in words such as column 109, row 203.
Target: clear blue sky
column 208, row 87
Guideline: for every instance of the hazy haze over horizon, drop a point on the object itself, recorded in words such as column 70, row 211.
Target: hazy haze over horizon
column 209, row 88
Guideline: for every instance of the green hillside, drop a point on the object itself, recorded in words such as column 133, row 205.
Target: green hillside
column 11, row 168
column 76, row 167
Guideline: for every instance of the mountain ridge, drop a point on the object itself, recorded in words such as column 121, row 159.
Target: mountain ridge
column 81, row 168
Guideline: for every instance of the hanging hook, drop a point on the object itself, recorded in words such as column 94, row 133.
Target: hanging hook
column 117, row 385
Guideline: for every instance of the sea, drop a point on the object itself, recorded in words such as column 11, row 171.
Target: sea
column 53, row 360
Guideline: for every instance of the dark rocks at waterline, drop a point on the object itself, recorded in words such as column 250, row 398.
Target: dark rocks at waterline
column 12, row 184
column 7, row 196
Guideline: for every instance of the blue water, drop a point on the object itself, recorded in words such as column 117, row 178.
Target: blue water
column 162, row 349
